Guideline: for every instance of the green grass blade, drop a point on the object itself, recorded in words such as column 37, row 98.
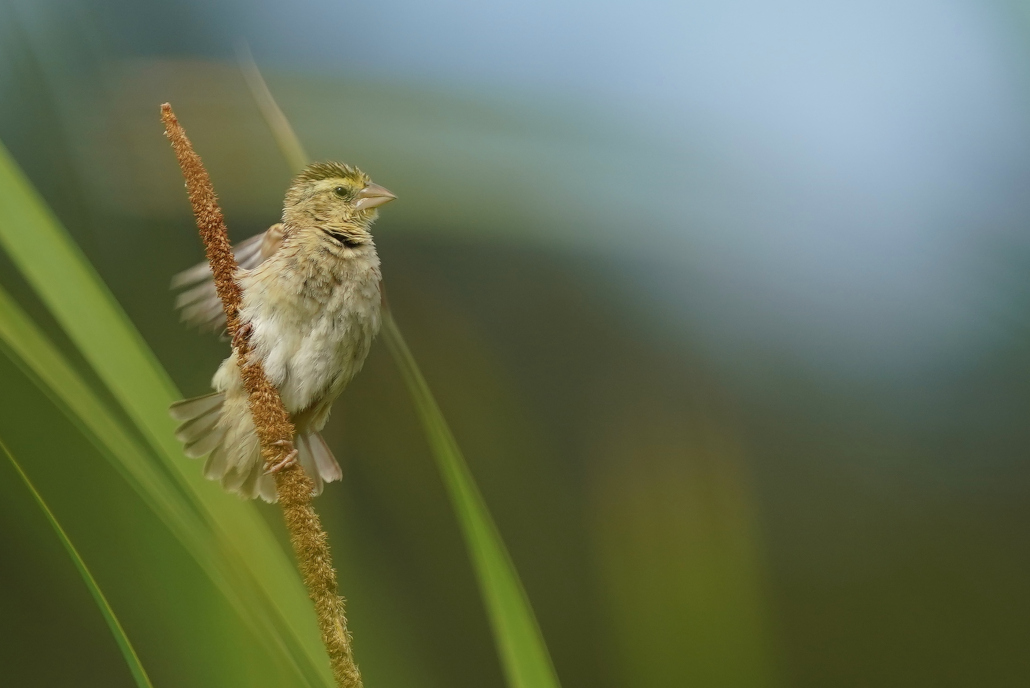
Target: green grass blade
column 30, row 349
column 290, row 146
column 524, row 655
column 243, row 558
column 131, row 658
column 520, row 644
column 33, row 352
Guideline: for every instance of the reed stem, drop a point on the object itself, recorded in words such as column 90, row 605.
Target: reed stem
column 274, row 428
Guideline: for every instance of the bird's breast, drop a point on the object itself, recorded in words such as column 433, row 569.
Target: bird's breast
column 312, row 325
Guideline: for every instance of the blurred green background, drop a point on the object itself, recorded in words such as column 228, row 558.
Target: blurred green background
column 728, row 305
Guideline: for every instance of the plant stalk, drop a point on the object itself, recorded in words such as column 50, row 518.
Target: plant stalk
column 274, row 428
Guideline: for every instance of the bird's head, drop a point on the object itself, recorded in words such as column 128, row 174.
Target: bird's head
column 336, row 199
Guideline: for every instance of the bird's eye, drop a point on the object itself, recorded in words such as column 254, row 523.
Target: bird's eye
column 340, row 191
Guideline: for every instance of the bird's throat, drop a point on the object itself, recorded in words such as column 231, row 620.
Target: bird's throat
column 343, row 238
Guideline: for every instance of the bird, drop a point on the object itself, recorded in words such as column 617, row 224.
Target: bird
column 311, row 298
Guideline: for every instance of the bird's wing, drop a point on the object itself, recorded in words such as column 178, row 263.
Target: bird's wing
column 199, row 304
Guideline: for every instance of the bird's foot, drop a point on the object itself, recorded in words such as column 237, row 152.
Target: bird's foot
column 287, row 461
column 242, row 334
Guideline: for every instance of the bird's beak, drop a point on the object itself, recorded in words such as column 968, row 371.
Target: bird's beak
column 373, row 196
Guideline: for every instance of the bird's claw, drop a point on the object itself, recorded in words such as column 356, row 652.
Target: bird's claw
column 242, row 334
column 287, row 461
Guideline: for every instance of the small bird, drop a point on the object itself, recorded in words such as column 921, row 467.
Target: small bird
column 311, row 305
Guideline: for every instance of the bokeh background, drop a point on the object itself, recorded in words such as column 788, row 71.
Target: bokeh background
column 728, row 304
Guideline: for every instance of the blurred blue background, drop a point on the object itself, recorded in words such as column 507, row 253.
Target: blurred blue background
column 728, row 304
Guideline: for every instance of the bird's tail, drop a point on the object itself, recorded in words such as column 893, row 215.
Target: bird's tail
column 317, row 459
column 202, row 434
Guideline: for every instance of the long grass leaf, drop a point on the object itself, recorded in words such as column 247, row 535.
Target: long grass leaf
column 40, row 360
column 139, row 674
column 245, row 561
column 520, row 644
column 524, row 655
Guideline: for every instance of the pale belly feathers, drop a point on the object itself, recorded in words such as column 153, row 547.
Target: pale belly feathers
column 312, row 327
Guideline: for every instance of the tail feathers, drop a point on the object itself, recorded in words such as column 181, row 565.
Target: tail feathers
column 317, row 460
column 217, row 464
column 188, row 409
column 201, row 434
column 242, row 481
column 204, row 445
column 193, row 430
column 249, row 480
column 327, row 465
column 249, row 488
column 234, row 479
column 307, row 460
column 266, row 485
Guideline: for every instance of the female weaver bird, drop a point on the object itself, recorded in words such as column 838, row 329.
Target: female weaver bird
column 311, row 301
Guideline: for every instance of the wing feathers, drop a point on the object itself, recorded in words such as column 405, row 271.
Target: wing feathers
column 194, row 294
column 200, row 305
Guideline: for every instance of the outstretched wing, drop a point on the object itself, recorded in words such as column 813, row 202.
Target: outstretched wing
column 199, row 305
